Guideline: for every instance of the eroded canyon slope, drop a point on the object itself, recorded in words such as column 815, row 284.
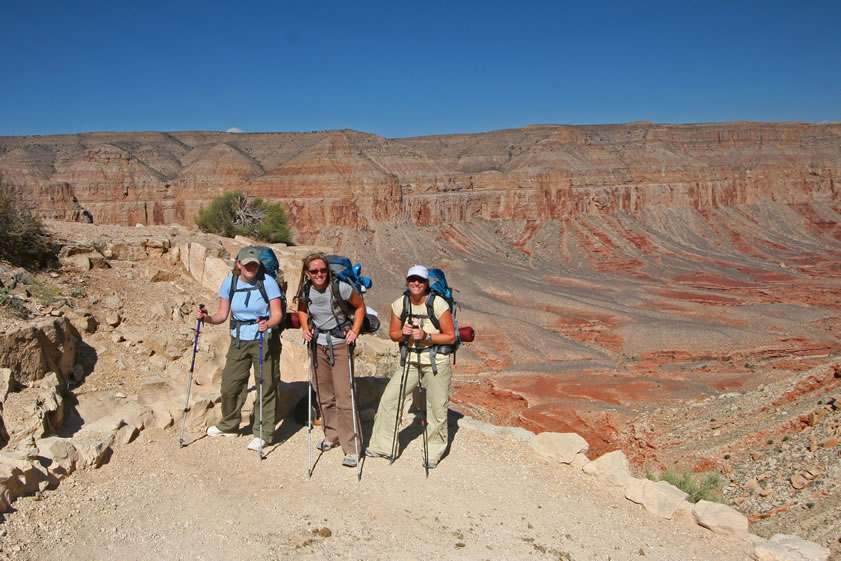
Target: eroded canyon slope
column 673, row 290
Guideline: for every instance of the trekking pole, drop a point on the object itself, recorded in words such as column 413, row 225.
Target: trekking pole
column 309, row 413
column 395, row 444
column 190, row 382
column 422, row 394
column 353, row 413
column 260, row 397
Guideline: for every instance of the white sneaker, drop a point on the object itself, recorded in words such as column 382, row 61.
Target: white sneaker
column 256, row 444
column 213, row 431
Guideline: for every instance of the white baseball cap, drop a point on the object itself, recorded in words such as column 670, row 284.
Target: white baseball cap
column 418, row 271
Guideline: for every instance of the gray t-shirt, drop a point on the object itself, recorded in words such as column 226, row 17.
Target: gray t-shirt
column 321, row 312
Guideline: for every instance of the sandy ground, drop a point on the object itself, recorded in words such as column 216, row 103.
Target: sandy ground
column 492, row 498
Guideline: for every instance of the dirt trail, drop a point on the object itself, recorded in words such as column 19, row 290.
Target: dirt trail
column 491, row 498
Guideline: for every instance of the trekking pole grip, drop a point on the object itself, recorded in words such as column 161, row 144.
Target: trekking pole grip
column 196, row 342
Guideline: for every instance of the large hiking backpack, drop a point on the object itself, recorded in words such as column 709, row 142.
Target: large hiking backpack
column 269, row 266
column 341, row 270
column 438, row 288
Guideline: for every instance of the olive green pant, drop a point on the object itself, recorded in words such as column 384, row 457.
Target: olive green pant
column 437, row 397
column 234, row 389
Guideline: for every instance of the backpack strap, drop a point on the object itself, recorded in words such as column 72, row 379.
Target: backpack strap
column 430, row 310
column 430, row 314
column 235, row 322
column 404, row 344
column 337, row 307
column 341, row 305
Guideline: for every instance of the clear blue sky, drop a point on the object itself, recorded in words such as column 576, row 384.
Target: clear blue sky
column 401, row 69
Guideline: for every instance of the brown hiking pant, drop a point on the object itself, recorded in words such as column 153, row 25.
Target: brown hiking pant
column 332, row 384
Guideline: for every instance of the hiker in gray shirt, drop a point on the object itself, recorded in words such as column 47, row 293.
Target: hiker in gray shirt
column 331, row 313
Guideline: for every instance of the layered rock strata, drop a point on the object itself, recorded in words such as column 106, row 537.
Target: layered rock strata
column 356, row 180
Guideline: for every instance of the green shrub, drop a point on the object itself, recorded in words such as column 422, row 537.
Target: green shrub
column 23, row 239
column 233, row 214
column 707, row 489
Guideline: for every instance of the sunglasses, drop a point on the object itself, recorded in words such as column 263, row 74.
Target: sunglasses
column 317, row 271
column 415, row 279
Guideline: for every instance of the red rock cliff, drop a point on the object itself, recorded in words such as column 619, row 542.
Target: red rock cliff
column 347, row 178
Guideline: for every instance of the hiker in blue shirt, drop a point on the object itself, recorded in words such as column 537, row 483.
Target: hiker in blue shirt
column 255, row 311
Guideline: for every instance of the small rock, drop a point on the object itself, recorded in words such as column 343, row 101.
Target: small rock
column 756, row 455
column 113, row 319
column 830, row 442
column 811, row 472
column 798, row 481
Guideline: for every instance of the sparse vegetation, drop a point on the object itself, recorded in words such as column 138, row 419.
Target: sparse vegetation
column 23, row 239
column 233, row 214
column 708, row 489
column 14, row 304
column 45, row 293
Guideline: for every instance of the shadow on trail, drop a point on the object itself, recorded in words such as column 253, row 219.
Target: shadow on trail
column 415, row 432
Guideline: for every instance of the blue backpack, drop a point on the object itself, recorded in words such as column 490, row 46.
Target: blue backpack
column 342, row 270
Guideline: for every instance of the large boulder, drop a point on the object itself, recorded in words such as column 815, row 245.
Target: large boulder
column 39, row 410
column 660, row 498
column 47, row 345
column 7, row 383
column 721, row 519
column 19, row 476
column 782, row 547
column 562, row 447
column 612, row 467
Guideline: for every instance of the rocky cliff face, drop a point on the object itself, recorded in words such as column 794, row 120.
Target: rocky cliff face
column 356, row 180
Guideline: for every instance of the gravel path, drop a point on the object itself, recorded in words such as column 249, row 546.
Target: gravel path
column 491, row 498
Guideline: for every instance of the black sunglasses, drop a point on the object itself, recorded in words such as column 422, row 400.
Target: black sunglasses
column 414, row 278
column 316, row 271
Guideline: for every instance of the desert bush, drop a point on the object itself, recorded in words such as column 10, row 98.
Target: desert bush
column 707, row 489
column 233, row 214
column 45, row 293
column 14, row 304
column 23, row 239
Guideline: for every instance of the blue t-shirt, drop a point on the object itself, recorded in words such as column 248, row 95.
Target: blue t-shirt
column 256, row 307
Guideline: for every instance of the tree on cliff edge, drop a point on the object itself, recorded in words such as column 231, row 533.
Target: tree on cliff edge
column 234, row 214
column 23, row 239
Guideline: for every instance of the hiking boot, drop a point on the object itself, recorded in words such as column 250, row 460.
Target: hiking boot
column 256, row 444
column 324, row 446
column 430, row 464
column 350, row 461
column 214, row 432
column 371, row 454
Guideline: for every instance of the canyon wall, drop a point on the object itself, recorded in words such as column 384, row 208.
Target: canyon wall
column 352, row 179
